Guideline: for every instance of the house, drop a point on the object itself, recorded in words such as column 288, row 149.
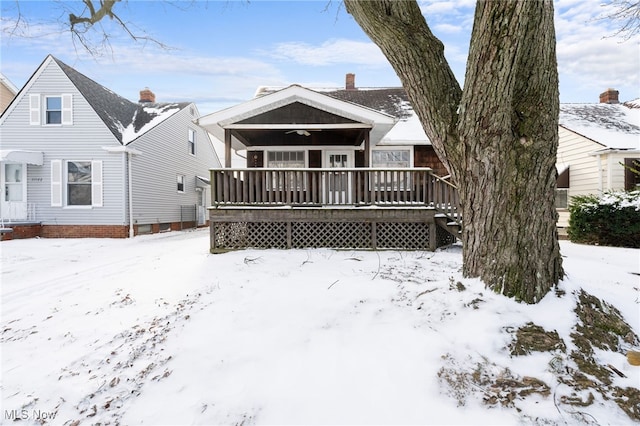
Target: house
column 341, row 167
column 8, row 91
column 597, row 144
column 78, row 160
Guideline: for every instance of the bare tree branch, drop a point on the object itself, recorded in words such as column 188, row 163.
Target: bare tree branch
column 627, row 13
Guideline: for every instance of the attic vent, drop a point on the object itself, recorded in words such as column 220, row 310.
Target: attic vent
column 192, row 111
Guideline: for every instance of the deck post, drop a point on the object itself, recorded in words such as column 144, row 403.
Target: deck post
column 433, row 236
column 367, row 147
column 227, row 148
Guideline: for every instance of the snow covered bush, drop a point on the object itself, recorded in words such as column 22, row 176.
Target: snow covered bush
column 612, row 219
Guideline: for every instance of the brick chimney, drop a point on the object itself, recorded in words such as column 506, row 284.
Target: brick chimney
column 147, row 96
column 350, row 82
column 610, row 96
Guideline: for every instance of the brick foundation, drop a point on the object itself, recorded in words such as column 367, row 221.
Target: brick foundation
column 22, row 231
column 85, row 231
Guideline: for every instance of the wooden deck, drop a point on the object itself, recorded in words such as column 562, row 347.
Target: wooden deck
column 340, row 208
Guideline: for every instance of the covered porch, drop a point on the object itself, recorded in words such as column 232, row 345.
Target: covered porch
column 347, row 208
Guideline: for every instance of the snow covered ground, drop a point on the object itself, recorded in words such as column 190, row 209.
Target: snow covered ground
column 156, row 330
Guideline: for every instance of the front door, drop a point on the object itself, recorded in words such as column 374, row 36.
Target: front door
column 338, row 184
column 13, row 205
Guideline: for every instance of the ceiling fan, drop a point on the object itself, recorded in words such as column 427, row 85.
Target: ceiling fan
column 301, row 132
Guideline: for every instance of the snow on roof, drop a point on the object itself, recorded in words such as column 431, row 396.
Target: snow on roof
column 127, row 120
column 147, row 117
column 615, row 126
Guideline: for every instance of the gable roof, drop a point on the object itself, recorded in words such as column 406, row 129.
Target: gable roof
column 8, row 84
column 389, row 100
column 356, row 115
column 125, row 119
column 614, row 126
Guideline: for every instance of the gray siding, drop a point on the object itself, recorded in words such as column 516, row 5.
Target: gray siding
column 165, row 154
column 84, row 140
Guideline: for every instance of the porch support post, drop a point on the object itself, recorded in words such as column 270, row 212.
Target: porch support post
column 433, row 236
column 367, row 147
column 227, row 148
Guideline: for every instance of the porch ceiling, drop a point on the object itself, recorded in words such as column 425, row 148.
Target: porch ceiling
column 299, row 137
column 257, row 122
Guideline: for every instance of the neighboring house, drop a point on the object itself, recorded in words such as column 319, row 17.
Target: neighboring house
column 8, row 91
column 333, row 158
column 598, row 143
column 78, row 160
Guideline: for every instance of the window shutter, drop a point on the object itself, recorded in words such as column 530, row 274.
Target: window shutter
column 56, row 183
column 96, row 183
column 34, row 110
column 67, row 109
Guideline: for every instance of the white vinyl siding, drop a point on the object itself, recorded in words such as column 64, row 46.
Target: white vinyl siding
column 156, row 199
column 84, row 140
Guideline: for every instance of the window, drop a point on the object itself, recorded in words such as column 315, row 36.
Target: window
column 562, row 198
column 180, row 180
column 631, row 173
column 53, row 114
column 285, row 180
column 78, row 183
column 391, row 159
column 192, row 142
column 284, row 159
column 50, row 110
column 562, row 184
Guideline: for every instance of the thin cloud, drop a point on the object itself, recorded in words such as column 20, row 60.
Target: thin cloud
column 331, row 52
column 448, row 28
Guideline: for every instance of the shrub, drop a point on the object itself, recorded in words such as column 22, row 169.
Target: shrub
column 612, row 219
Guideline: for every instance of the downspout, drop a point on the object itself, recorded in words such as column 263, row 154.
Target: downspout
column 600, row 185
column 130, row 152
column 130, row 184
column 609, row 171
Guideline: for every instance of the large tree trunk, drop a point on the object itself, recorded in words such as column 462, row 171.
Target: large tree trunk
column 498, row 136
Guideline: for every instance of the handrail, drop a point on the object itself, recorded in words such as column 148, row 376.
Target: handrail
column 354, row 186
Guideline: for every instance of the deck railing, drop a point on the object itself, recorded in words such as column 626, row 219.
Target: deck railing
column 272, row 187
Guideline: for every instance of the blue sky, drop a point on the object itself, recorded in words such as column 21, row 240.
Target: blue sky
column 221, row 51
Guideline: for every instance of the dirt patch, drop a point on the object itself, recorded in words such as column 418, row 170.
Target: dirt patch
column 533, row 338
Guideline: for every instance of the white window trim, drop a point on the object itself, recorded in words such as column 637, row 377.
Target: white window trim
column 392, row 148
column 192, row 142
column 387, row 176
column 59, row 184
column 184, row 183
column 66, row 109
